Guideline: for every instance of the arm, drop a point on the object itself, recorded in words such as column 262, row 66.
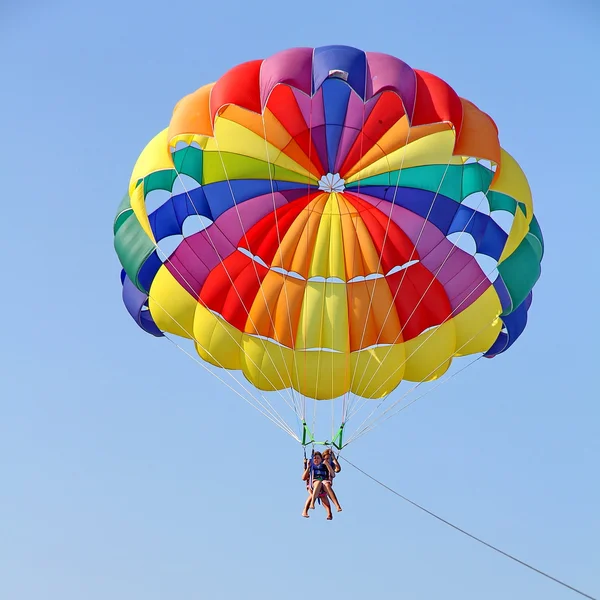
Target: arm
column 336, row 465
column 329, row 469
column 306, row 471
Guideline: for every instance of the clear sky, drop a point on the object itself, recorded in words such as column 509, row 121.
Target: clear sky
column 128, row 472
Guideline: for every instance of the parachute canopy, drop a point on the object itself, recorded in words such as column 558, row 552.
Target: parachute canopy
column 332, row 221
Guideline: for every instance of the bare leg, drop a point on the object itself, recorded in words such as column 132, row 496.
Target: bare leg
column 307, row 506
column 327, row 507
column 317, row 485
column 331, row 494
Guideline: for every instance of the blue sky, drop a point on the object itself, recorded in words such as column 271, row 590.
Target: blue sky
column 127, row 472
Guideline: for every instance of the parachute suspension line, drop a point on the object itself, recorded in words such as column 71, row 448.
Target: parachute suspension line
column 285, row 291
column 235, row 203
column 413, row 251
column 483, row 280
column 372, row 291
column 425, row 341
column 190, row 335
column 273, row 411
column 263, row 412
column 197, row 295
column 363, row 428
column 473, row 537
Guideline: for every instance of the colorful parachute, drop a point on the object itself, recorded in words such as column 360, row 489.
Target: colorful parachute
column 332, row 221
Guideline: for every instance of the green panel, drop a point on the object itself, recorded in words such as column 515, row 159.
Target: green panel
column 159, row 180
column 429, row 177
column 226, row 165
column 133, row 247
column 534, row 229
column 123, row 213
column 188, row 161
column 499, row 201
column 383, row 179
column 475, row 179
column 520, row 271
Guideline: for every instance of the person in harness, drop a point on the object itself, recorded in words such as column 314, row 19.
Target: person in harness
column 316, row 473
column 329, row 458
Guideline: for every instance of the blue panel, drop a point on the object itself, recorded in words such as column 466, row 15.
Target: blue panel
column 469, row 221
column 343, row 58
column 163, row 221
column 168, row 218
column 503, row 295
column 219, row 194
column 336, row 94
column 515, row 324
column 418, row 201
column 493, row 241
column 334, row 134
column 148, row 270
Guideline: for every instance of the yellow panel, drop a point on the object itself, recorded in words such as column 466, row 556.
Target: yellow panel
column 478, row 326
column 518, row 230
column 397, row 136
column 377, row 371
column 138, row 203
column 335, row 318
column 217, row 342
column 512, row 181
column 155, row 157
column 321, row 375
column 171, row 307
column 324, row 317
column 296, row 246
column 266, row 365
column 235, row 138
column 434, row 149
column 328, row 252
column 429, row 355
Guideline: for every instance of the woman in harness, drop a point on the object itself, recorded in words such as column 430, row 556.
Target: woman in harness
column 330, row 459
column 319, row 471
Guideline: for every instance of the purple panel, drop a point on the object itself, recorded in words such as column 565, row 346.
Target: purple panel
column 311, row 108
column 388, row 72
column 319, row 138
column 468, row 285
column 292, row 67
column 233, row 223
column 424, row 235
column 134, row 301
column 346, row 140
column 200, row 253
column 356, row 115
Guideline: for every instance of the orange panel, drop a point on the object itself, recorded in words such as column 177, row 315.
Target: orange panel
column 478, row 136
column 192, row 114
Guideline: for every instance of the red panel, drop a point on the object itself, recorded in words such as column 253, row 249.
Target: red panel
column 239, row 86
column 436, row 101
column 398, row 248
column 262, row 237
column 387, row 111
column 282, row 103
column 233, row 301
column 420, row 300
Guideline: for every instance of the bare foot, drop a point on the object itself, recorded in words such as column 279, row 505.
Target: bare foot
column 329, row 517
column 305, row 515
column 312, row 506
column 339, row 509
